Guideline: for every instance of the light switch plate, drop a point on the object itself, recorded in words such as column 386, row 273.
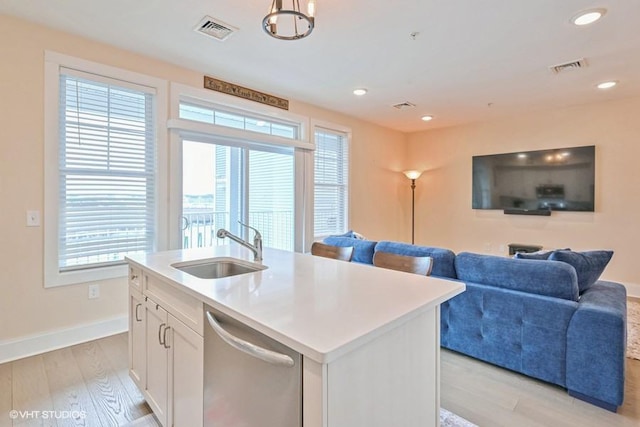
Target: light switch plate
column 33, row 218
column 94, row 291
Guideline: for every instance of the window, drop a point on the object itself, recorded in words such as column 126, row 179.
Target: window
column 331, row 182
column 271, row 197
column 106, row 173
column 222, row 185
column 238, row 161
column 100, row 187
column 238, row 120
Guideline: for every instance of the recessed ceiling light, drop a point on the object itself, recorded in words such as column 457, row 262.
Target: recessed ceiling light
column 607, row 85
column 360, row 91
column 588, row 16
column 426, row 118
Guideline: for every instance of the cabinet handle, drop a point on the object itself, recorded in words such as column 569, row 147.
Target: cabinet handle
column 137, row 317
column 134, row 277
column 162, row 325
column 164, row 336
column 249, row 348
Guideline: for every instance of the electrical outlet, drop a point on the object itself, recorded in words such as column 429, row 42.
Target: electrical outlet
column 94, row 291
column 33, row 218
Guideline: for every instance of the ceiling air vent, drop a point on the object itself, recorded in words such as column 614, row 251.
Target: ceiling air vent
column 573, row 65
column 404, row 105
column 214, row 28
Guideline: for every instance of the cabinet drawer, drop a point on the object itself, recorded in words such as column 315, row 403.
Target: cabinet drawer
column 184, row 307
column 135, row 278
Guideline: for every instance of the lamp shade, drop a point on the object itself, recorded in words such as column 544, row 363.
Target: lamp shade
column 413, row 174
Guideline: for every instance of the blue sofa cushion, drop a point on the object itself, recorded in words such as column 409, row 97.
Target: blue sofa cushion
column 537, row 255
column 540, row 255
column 351, row 234
column 362, row 249
column 589, row 265
column 443, row 259
column 550, row 278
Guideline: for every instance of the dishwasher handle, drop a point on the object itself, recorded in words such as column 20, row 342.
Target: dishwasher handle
column 249, row 348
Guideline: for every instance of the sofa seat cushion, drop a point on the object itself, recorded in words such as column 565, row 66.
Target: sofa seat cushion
column 362, row 249
column 550, row 278
column 443, row 259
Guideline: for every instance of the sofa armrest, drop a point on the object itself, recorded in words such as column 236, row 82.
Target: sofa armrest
column 596, row 346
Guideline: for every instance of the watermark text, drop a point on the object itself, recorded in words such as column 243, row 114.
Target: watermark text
column 15, row 414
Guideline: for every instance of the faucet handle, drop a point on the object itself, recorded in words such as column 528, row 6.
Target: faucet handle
column 257, row 236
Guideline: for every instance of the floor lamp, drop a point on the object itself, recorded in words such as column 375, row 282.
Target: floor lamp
column 413, row 175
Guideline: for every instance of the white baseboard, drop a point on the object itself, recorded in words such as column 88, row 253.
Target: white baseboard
column 53, row 340
column 633, row 290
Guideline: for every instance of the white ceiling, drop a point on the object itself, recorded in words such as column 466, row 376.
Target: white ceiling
column 472, row 60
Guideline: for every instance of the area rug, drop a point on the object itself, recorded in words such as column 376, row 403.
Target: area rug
column 448, row 419
column 633, row 329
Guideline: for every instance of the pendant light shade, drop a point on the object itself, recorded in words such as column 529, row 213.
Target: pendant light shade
column 289, row 22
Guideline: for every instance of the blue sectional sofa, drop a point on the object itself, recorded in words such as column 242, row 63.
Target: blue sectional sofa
column 538, row 317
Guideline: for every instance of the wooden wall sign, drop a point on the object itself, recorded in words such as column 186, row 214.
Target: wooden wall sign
column 243, row 92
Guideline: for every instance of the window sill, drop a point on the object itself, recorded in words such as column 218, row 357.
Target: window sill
column 56, row 278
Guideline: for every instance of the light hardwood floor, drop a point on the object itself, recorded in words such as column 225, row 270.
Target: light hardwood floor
column 83, row 385
column 493, row 397
column 92, row 378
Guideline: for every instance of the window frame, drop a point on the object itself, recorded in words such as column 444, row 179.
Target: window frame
column 53, row 64
column 180, row 129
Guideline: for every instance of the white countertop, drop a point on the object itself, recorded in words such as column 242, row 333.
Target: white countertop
column 320, row 307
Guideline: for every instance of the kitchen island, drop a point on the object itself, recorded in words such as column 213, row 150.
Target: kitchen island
column 368, row 337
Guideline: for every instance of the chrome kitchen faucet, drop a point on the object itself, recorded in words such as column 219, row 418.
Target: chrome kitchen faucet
column 256, row 248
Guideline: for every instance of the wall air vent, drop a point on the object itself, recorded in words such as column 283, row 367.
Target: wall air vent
column 573, row 65
column 404, row 105
column 214, row 28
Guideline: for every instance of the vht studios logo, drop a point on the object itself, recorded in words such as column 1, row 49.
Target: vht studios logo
column 76, row 415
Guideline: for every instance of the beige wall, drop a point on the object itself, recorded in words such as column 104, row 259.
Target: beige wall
column 26, row 308
column 444, row 213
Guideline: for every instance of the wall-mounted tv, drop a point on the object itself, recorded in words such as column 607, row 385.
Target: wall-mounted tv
column 536, row 182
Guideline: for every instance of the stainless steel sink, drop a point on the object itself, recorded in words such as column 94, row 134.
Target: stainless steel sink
column 217, row 268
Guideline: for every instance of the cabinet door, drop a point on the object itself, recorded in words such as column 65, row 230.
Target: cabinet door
column 185, row 375
column 137, row 339
column 157, row 359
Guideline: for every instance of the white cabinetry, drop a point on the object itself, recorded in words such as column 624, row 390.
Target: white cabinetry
column 157, row 390
column 137, row 340
column 166, row 355
column 374, row 364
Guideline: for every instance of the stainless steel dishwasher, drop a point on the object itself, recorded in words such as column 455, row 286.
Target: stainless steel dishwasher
column 250, row 380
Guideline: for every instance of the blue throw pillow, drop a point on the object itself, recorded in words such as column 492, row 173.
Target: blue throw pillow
column 589, row 265
column 537, row 255
column 352, row 234
column 544, row 255
column 362, row 249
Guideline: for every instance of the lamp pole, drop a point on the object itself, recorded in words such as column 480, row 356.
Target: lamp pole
column 413, row 175
column 413, row 210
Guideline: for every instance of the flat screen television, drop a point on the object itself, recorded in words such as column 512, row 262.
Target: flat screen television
column 535, row 182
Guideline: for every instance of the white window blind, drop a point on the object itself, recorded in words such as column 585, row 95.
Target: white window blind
column 331, row 183
column 271, row 197
column 106, row 171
